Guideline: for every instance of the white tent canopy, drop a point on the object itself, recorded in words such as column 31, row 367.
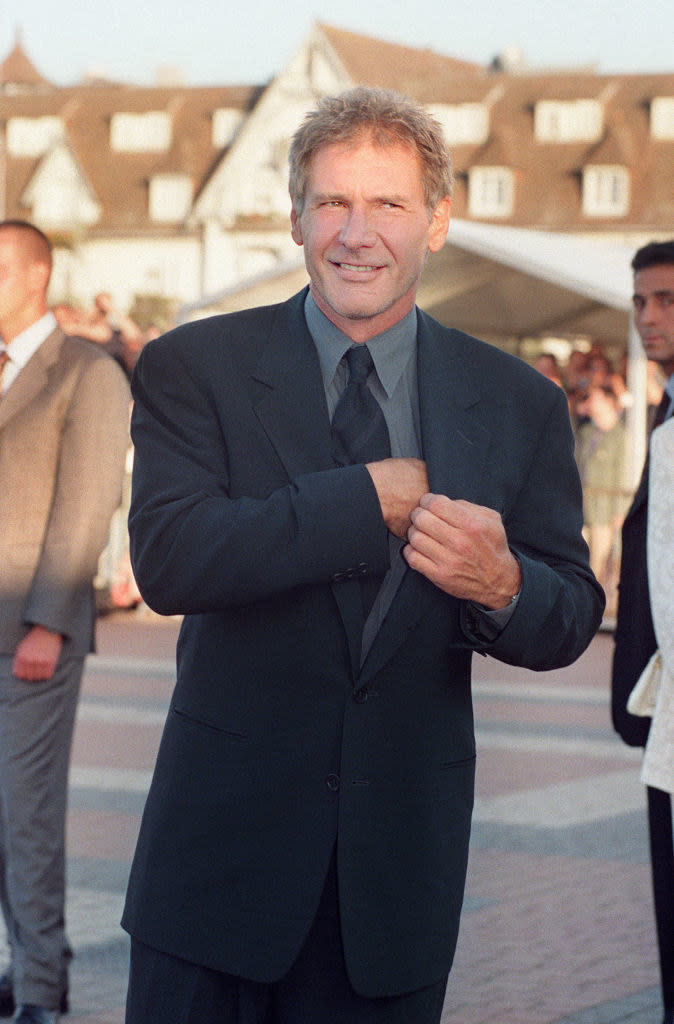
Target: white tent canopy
column 499, row 282
column 596, row 269
column 502, row 283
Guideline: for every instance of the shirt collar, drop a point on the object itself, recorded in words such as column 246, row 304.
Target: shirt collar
column 391, row 350
column 26, row 344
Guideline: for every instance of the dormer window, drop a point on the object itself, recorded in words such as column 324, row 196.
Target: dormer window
column 140, row 133
column 606, row 191
column 170, row 198
column 568, row 120
column 491, row 192
column 662, row 117
column 462, row 123
column 58, row 195
column 226, row 120
column 33, row 136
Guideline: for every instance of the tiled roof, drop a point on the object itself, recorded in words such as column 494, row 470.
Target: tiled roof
column 120, row 180
column 424, row 74
column 19, row 71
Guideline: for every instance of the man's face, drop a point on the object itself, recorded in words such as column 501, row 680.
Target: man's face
column 654, row 313
column 366, row 231
column 21, row 286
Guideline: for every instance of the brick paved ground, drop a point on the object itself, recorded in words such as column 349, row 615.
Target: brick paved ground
column 557, row 926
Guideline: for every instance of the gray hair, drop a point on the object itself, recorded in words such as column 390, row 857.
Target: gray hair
column 385, row 117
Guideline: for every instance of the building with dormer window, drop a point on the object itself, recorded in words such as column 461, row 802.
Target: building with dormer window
column 181, row 192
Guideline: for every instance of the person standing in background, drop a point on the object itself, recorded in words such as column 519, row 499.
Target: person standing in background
column 601, row 448
column 635, row 641
column 64, row 409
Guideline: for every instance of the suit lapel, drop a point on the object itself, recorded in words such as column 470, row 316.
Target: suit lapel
column 455, row 444
column 289, row 401
column 32, row 378
column 288, row 393
column 455, row 436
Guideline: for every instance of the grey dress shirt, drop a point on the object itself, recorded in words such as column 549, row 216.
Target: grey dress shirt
column 394, row 385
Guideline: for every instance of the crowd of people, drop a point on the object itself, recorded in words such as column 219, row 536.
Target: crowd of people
column 115, row 331
column 598, row 400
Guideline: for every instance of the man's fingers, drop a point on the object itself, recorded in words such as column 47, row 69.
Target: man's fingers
column 457, row 511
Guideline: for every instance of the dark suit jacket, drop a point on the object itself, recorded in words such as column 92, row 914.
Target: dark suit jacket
column 634, row 636
column 276, row 744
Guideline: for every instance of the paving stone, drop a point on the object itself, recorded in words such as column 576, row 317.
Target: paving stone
column 559, row 832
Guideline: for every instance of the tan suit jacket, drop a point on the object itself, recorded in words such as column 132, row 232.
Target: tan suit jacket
column 63, row 438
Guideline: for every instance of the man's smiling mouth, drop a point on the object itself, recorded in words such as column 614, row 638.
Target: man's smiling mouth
column 359, row 268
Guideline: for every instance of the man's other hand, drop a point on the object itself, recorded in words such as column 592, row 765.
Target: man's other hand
column 463, row 549
column 400, row 485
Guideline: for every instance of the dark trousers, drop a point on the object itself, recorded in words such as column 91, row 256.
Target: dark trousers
column 662, row 864
column 316, row 990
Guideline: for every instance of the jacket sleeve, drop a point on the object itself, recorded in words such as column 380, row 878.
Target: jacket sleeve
column 561, row 603
column 90, row 471
column 196, row 547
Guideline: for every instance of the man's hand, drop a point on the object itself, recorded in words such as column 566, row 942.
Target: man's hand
column 400, row 484
column 463, row 549
column 36, row 656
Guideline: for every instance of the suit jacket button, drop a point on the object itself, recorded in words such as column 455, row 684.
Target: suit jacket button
column 332, row 782
column 360, row 696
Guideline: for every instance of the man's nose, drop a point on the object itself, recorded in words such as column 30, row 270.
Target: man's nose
column 650, row 310
column 357, row 229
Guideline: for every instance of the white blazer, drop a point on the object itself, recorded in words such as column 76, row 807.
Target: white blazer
column 658, row 764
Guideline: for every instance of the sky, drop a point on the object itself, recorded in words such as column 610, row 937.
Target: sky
column 226, row 42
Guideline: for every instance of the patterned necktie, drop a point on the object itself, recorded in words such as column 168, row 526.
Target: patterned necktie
column 359, row 431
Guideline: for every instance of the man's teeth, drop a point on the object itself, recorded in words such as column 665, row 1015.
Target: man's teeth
column 352, row 266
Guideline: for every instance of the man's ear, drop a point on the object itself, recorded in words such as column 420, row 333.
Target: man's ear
column 295, row 228
column 38, row 277
column 439, row 224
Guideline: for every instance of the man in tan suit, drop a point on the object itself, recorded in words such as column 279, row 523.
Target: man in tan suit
column 63, row 438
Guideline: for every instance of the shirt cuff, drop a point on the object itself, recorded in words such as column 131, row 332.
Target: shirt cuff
column 485, row 624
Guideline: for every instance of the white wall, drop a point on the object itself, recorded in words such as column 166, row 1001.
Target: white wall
column 127, row 267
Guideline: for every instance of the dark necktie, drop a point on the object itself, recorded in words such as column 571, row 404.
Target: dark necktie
column 662, row 410
column 360, row 434
column 659, row 418
column 359, row 431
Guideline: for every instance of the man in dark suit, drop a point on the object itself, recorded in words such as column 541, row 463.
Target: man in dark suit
column 64, row 411
column 635, row 641
column 346, row 500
